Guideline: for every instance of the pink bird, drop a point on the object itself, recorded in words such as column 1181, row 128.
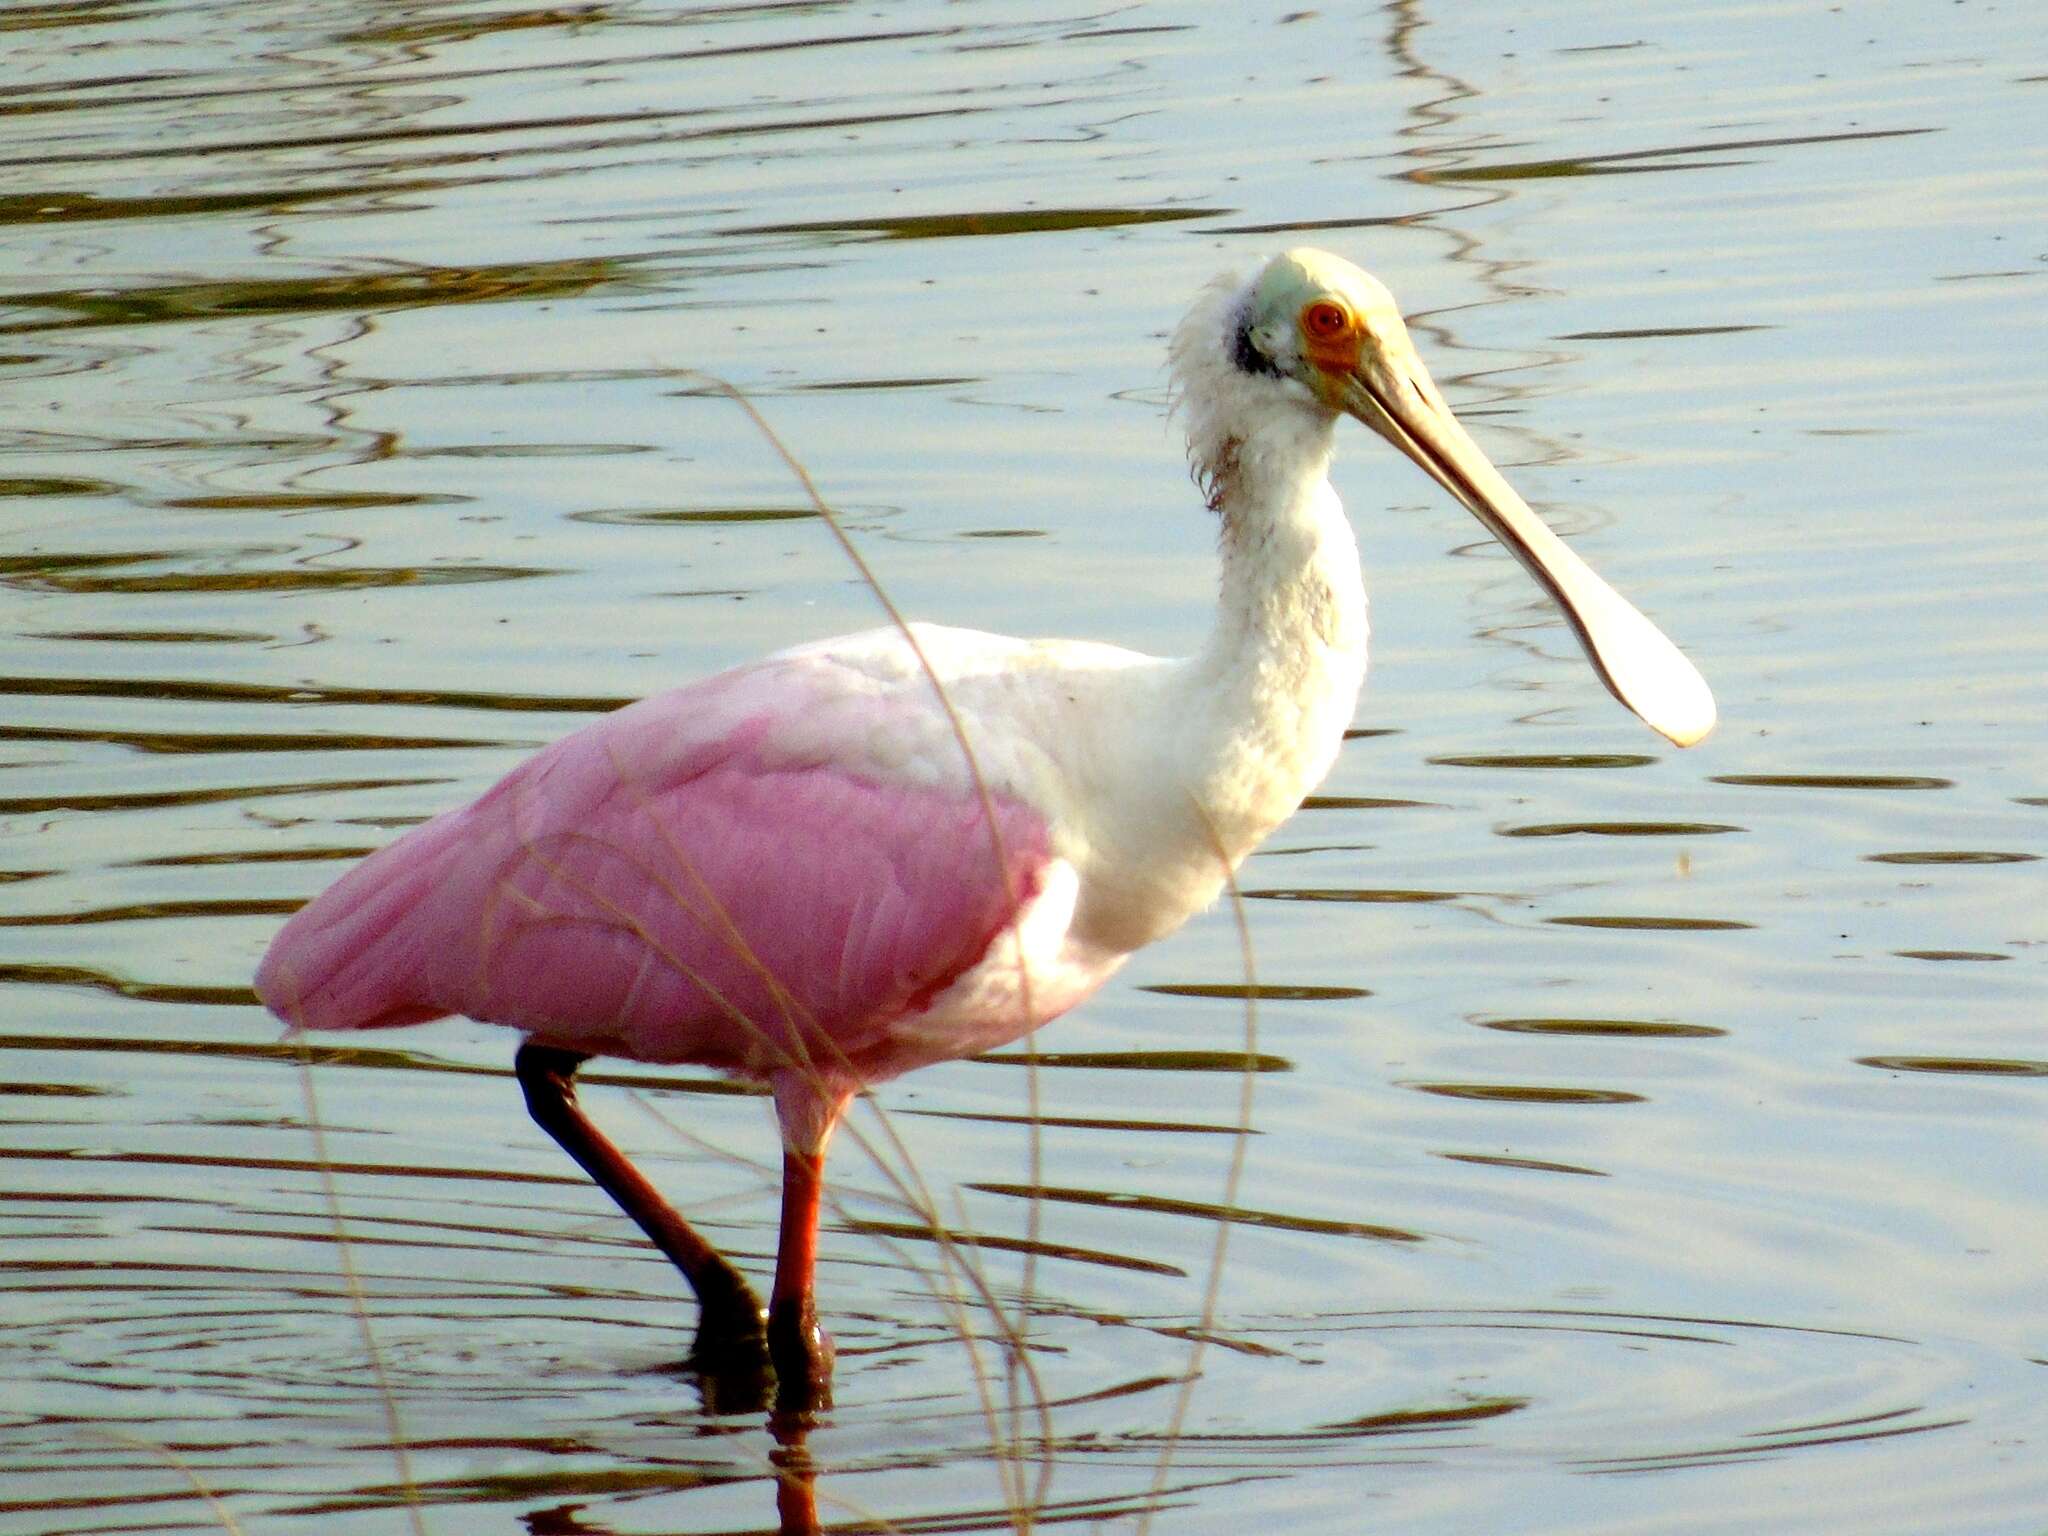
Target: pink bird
column 792, row 872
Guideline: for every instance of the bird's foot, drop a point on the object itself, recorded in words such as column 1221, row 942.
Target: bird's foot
column 730, row 1357
column 802, row 1352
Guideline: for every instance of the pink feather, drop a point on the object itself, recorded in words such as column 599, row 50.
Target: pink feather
column 715, row 875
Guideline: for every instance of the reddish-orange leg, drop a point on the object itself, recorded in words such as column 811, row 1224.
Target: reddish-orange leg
column 800, row 1348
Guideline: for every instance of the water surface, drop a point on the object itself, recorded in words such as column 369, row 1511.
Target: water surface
column 1639, row 1140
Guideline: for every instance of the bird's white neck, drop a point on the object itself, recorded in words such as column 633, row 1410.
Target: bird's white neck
column 1277, row 683
column 1238, row 733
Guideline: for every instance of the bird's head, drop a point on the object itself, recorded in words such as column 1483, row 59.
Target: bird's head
column 1315, row 319
column 1312, row 337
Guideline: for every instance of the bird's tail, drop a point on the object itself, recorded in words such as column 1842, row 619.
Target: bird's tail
column 356, row 956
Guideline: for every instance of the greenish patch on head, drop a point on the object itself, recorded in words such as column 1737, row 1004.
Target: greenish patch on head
column 1297, row 277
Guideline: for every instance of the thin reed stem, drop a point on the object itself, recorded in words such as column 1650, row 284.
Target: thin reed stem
column 358, row 1302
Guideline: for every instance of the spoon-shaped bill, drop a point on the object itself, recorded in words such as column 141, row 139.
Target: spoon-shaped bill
column 1395, row 396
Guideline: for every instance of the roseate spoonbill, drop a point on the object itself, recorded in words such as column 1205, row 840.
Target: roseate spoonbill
column 790, row 872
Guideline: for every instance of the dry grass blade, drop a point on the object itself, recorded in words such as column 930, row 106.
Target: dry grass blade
column 358, row 1303
column 178, row 1463
column 1233, row 1179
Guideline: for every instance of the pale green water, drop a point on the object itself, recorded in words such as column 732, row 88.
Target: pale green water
column 1652, row 1141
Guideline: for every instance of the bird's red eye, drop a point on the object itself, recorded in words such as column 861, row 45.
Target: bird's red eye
column 1326, row 320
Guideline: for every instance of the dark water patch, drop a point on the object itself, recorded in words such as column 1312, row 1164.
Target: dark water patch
column 52, row 1091
column 1951, row 857
column 1159, row 1205
column 15, row 876
column 1405, row 1422
column 68, row 13
column 1309, row 850
column 1589, row 165
column 1831, row 781
column 251, row 856
column 79, row 207
column 146, row 911
column 149, row 800
column 1951, row 954
column 465, row 29
column 971, row 1241
column 194, row 690
column 257, row 445
column 1001, row 533
column 1365, row 803
column 1259, row 991
column 1968, row 1066
column 2003, row 274
column 1653, row 332
column 56, row 485
column 313, row 501
column 640, row 518
column 1346, row 893
column 155, row 636
column 1528, row 1164
column 1091, row 33
column 297, row 578
column 1085, row 1122
column 36, row 975
column 352, row 293
column 1620, row 829
column 997, row 221
column 1605, row 1029
column 1408, row 1421
column 1546, row 760
column 1676, row 158
column 184, row 743
column 1653, row 924
column 523, row 451
column 867, row 386
column 1526, row 1093
column 1143, row 1061
column 1757, row 1445
column 50, row 562
column 1142, row 1386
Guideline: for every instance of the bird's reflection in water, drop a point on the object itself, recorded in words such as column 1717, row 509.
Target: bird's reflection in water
column 796, row 1475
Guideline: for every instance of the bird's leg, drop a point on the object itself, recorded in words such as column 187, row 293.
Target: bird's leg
column 801, row 1349
column 729, row 1332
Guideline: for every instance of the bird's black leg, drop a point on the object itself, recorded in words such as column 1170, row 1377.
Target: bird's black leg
column 731, row 1347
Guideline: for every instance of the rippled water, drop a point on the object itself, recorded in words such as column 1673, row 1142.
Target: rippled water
column 1643, row 1141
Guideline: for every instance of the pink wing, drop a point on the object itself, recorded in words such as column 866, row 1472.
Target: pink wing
column 701, row 877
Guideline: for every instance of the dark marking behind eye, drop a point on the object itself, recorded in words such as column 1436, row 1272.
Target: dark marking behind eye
column 1248, row 358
